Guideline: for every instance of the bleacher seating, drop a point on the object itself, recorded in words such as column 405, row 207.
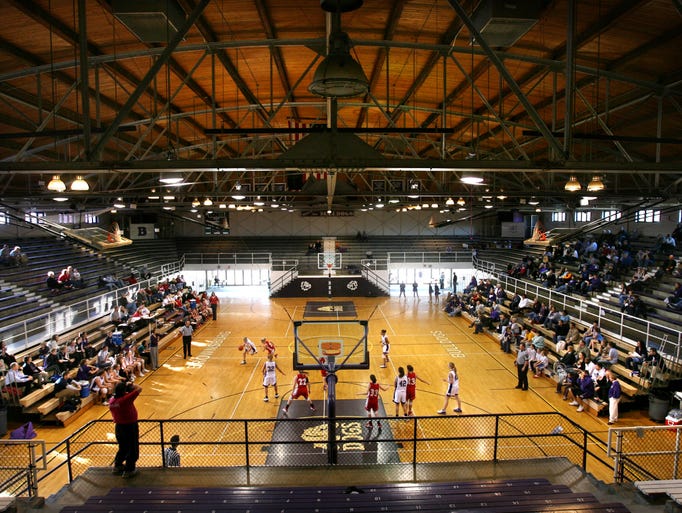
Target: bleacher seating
column 629, row 327
column 511, row 496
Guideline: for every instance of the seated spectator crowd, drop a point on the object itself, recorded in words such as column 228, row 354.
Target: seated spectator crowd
column 121, row 356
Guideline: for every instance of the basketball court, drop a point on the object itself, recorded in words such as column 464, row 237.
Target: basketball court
column 213, row 384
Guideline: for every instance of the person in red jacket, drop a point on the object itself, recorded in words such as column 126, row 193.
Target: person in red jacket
column 122, row 408
column 214, row 302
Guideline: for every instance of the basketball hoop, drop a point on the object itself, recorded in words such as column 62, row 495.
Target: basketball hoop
column 331, row 348
column 329, row 266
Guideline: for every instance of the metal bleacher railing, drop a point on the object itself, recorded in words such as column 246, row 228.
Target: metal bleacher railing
column 254, row 444
column 23, row 335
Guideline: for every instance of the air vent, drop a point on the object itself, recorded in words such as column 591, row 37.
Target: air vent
column 152, row 21
column 503, row 22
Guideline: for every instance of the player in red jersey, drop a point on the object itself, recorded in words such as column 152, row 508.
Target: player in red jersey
column 268, row 347
column 324, row 373
column 301, row 388
column 411, row 392
column 372, row 402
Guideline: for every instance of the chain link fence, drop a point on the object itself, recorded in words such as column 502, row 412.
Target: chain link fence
column 401, row 441
column 646, row 453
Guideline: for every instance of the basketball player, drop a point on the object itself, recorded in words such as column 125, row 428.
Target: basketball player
column 452, row 391
column 249, row 348
column 301, row 388
column 411, row 391
column 385, row 347
column 268, row 346
column 323, row 373
column 400, row 394
column 270, row 369
column 372, row 402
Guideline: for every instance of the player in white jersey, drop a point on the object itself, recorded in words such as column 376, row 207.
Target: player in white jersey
column 385, row 348
column 400, row 394
column 249, row 348
column 452, row 391
column 270, row 369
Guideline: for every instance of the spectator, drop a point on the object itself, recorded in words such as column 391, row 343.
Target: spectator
column 636, row 307
column 17, row 258
column 5, row 356
column 52, row 283
column 64, row 278
column 171, row 456
column 38, row 374
column 526, row 303
column 86, row 371
column 17, row 377
column 676, row 296
column 582, row 392
column 100, row 387
column 538, row 341
column 634, row 359
column 124, row 413
column 541, row 363
column 4, row 255
column 76, row 279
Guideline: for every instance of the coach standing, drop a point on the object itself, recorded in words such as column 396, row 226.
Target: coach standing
column 186, row 332
column 122, row 408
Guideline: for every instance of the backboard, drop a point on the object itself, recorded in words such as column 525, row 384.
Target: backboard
column 331, row 344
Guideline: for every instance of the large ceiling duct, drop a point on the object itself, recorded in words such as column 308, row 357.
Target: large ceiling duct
column 503, row 22
column 152, row 21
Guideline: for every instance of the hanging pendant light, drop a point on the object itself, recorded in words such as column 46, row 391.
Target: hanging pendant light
column 56, row 184
column 461, row 202
column 595, row 185
column 573, row 185
column 79, row 184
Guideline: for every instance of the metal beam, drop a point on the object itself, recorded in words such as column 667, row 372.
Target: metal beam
column 153, row 70
column 530, row 110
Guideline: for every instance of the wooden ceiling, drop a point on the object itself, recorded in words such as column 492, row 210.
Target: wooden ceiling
column 81, row 94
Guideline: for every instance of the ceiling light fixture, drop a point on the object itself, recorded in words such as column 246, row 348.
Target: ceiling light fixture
column 60, row 199
column 196, row 203
column 56, row 184
column 79, row 184
column 573, row 185
column 171, row 178
column 208, row 202
column 449, row 202
column 595, row 185
column 461, row 202
column 471, row 179
column 339, row 75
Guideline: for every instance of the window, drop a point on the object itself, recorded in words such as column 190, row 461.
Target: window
column 33, row 217
column 90, row 219
column 583, row 216
column 648, row 216
column 610, row 215
column 558, row 217
column 66, row 219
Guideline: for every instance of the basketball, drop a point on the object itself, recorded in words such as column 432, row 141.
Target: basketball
column 241, row 348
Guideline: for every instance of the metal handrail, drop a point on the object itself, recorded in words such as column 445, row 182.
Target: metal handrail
column 612, row 321
column 542, row 429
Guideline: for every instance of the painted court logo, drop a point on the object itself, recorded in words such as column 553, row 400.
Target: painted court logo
column 349, row 436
